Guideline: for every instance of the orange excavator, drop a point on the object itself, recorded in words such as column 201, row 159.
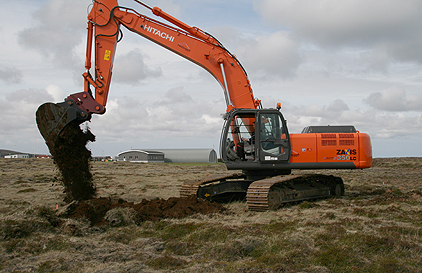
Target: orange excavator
column 254, row 140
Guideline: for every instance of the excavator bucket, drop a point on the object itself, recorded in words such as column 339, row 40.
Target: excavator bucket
column 52, row 118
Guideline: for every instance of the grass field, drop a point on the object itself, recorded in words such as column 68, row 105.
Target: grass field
column 375, row 227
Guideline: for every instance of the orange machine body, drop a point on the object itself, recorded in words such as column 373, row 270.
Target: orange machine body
column 331, row 148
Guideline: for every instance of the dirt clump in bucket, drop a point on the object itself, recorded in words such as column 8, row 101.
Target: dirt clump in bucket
column 148, row 210
column 73, row 161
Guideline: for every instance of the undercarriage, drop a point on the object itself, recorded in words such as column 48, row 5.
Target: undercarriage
column 264, row 194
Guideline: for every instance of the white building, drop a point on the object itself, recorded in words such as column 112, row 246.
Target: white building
column 141, row 156
column 189, row 155
column 169, row 155
column 17, row 156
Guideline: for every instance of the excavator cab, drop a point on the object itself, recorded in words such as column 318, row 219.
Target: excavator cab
column 256, row 140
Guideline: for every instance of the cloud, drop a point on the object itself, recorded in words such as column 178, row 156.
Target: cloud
column 17, row 110
column 175, row 95
column 337, row 106
column 169, row 7
column 136, row 120
column 10, row 75
column 334, row 112
column 56, row 92
column 27, row 97
column 59, row 27
column 275, row 54
column 130, row 68
column 351, row 21
column 378, row 124
column 390, row 26
column 18, row 126
column 392, row 125
column 394, row 99
column 270, row 55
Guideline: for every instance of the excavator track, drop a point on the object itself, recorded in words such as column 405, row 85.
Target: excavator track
column 265, row 194
column 271, row 193
column 191, row 187
column 213, row 187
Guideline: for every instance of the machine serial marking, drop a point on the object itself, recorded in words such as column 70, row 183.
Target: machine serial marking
column 159, row 33
column 346, row 154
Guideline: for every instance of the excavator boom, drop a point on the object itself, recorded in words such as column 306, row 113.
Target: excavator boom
column 104, row 23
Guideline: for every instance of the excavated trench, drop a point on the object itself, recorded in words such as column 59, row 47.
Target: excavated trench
column 95, row 210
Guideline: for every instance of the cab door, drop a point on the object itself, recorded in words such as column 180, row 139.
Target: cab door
column 273, row 138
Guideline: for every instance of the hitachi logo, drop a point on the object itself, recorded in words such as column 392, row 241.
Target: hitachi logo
column 159, row 33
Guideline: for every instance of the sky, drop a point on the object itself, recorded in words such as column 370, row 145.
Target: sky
column 329, row 62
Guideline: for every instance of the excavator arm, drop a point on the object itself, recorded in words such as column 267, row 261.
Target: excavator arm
column 104, row 31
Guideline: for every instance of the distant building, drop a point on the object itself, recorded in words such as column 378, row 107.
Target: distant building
column 170, row 155
column 43, row 156
column 189, row 155
column 101, row 158
column 141, row 156
column 17, row 156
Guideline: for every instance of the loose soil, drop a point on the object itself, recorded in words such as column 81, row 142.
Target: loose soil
column 73, row 161
column 148, row 210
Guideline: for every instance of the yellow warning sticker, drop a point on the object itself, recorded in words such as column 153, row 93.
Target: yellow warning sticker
column 107, row 55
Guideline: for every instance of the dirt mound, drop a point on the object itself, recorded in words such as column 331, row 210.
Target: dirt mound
column 152, row 210
column 73, row 160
